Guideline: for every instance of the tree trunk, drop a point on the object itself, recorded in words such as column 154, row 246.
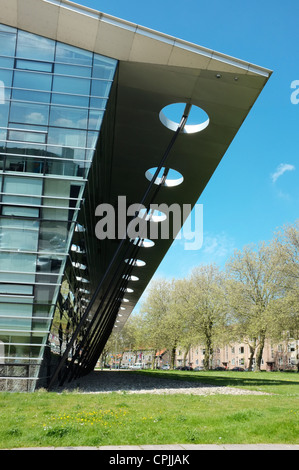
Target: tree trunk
column 259, row 354
column 208, row 349
column 185, row 355
column 252, row 348
column 154, row 358
column 172, row 359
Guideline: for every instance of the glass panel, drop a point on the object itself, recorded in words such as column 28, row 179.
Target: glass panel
column 21, row 200
column 99, row 103
column 57, row 188
column 18, row 234
column 23, row 185
column 4, row 27
column 72, row 55
column 95, row 120
column 44, row 294
column 53, row 215
column 16, row 289
column 76, row 86
column 30, row 127
column 100, row 88
column 33, row 65
column 104, row 67
column 18, row 261
column 33, row 114
column 72, row 70
column 53, row 236
column 4, row 110
column 49, row 265
column 67, row 137
column 6, row 77
column 16, row 277
column 20, row 211
column 7, row 44
column 6, row 62
column 27, row 136
column 64, row 169
column 33, row 81
column 31, row 46
column 69, row 117
column 24, row 164
column 30, row 95
column 71, row 100
column 92, row 139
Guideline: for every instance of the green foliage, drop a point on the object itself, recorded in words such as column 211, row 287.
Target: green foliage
column 254, row 299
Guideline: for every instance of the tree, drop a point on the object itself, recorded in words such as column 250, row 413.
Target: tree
column 255, row 286
column 287, row 245
column 165, row 323
column 206, row 309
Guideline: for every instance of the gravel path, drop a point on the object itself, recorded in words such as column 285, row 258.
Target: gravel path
column 127, row 381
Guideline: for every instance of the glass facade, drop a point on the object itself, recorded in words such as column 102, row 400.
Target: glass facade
column 52, row 101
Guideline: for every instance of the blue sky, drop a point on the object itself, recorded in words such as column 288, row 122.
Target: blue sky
column 255, row 189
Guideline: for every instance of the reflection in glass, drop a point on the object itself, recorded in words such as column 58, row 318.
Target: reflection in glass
column 7, row 44
column 75, row 86
column 33, row 114
column 69, row 117
column 72, row 55
column 33, row 81
column 31, row 46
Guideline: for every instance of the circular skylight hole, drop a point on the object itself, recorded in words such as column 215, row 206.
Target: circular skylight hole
column 152, row 215
column 123, row 308
column 126, row 300
column 173, row 178
column 135, row 262
column 171, row 116
column 145, row 243
column 130, row 291
column 131, row 278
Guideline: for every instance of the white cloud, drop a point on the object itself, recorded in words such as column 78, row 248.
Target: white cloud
column 219, row 246
column 280, row 170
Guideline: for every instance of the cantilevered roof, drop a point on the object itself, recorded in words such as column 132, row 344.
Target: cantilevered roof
column 155, row 70
column 83, row 27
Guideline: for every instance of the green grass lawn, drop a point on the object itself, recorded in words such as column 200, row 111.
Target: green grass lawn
column 45, row 419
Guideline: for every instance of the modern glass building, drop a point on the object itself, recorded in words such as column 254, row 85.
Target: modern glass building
column 82, row 96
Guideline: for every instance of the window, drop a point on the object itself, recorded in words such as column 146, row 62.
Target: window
column 8, row 43
column 34, row 65
column 33, row 114
column 73, row 55
column 74, row 86
column 33, row 47
column 16, row 289
column 103, row 67
column 69, row 117
column 241, row 350
column 31, row 96
column 75, row 70
column 33, row 80
column 18, row 234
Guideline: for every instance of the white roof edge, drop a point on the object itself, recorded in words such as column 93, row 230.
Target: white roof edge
column 183, row 44
column 139, row 31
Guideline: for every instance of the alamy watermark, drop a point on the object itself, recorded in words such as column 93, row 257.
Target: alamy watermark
column 159, row 221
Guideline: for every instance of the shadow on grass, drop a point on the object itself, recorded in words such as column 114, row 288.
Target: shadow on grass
column 130, row 381
column 228, row 378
